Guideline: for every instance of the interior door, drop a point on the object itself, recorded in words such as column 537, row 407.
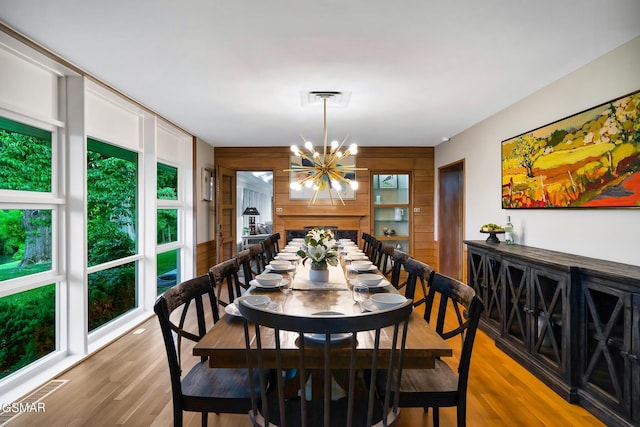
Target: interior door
column 226, row 203
column 451, row 219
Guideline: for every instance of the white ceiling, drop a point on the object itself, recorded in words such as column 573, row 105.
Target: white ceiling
column 232, row 72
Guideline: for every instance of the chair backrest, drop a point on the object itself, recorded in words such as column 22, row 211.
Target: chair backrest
column 417, row 271
column 226, row 274
column 187, row 297
column 275, row 239
column 268, row 249
column 400, row 259
column 251, row 262
column 385, row 261
column 366, row 242
column 467, row 308
column 372, row 248
column 265, row 333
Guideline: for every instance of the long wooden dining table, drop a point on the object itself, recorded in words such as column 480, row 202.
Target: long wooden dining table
column 224, row 343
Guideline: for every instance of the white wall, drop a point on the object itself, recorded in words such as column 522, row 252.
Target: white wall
column 205, row 211
column 610, row 234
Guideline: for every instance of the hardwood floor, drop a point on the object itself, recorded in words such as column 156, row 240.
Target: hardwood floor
column 127, row 383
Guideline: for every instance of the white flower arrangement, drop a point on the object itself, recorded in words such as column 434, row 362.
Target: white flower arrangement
column 319, row 246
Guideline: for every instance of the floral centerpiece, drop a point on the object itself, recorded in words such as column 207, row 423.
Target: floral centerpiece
column 320, row 247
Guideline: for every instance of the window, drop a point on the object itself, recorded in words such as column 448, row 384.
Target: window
column 27, row 327
column 25, row 157
column 167, row 261
column 27, row 317
column 112, row 176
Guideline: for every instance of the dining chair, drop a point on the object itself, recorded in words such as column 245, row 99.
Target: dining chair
column 202, row 389
column 275, row 239
column 225, row 274
column 385, row 259
column 269, row 250
column 398, row 276
column 366, row 242
column 442, row 386
column 251, row 262
column 417, row 272
column 330, row 340
column 372, row 248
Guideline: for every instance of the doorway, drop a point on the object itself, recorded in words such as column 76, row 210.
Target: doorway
column 451, row 219
column 254, row 189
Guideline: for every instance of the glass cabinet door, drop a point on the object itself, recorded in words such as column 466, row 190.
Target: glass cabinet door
column 391, row 209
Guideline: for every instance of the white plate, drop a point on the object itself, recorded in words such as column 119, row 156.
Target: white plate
column 382, row 284
column 268, row 267
column 321, row 337
column 356, row 258
column 368, row 305
column 291, row 250
column 370, row 268
column 232, row 310
column 290, row 256
column 255, row 283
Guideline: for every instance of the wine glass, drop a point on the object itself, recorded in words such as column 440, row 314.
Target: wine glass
column 360, row 293
column 287, row 283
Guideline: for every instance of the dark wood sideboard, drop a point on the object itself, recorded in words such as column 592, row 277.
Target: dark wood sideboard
column 573, row 321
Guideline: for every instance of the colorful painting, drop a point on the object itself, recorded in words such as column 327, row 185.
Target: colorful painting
column 588, row 160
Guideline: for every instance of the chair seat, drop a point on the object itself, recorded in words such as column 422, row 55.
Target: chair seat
column 315, row 410
column 436, row 385
column 229, row 387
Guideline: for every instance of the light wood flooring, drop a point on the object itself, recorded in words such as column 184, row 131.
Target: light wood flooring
column 127, row 383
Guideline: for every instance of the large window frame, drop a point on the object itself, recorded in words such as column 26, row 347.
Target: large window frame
column 46, row 94
column 54, row 202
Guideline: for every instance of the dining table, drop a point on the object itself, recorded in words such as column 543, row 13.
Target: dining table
column 224, row 343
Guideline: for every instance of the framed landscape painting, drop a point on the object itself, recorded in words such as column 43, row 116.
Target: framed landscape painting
column 588, row 160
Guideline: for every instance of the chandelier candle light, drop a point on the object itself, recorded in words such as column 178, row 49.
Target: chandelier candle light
column 324, row 171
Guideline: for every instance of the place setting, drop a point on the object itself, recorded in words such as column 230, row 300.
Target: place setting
column 269, row 281
column 280, row 266
column 361, row 266
column 320, row 338
column 256, row 300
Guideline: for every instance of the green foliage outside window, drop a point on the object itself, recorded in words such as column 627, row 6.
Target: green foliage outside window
column 167, row 182
column 27, row 326
column 112, row 292
column 112, row 176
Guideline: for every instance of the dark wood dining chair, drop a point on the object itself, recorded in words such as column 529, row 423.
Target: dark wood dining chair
column 372, row 249
column 202, row 389
column 417, row 272
column 225, row 274
column 269, row 250
column 275, row 239
column 360, row 405
column 366, row 242
column 442, row 386
column 398, row 276
column 251, row 262
column 385, row 259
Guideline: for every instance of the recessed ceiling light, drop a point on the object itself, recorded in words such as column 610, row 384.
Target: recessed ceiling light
column 446, row 139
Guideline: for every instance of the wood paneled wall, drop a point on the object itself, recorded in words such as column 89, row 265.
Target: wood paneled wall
column 205, row 256
column 356, row 214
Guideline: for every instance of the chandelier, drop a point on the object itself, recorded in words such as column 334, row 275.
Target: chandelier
column 324, row 171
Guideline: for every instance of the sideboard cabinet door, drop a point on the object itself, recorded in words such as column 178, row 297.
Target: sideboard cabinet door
column 485, row 277
column 609, row 348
